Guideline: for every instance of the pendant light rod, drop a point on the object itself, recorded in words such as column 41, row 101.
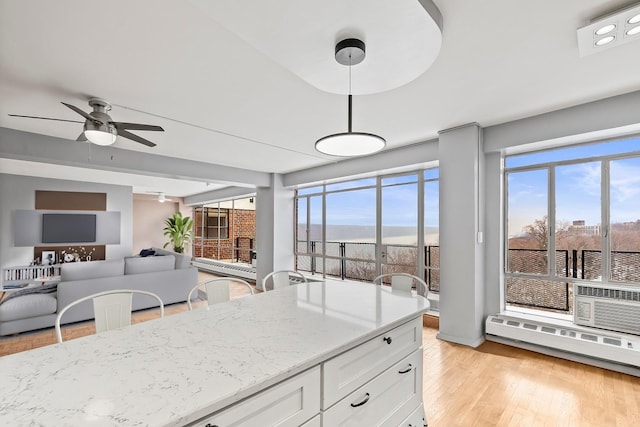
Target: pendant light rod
column 350, row 117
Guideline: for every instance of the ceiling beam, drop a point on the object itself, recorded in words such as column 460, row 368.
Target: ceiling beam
column 15, row 144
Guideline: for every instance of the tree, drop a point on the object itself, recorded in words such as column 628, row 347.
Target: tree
column 539, row 231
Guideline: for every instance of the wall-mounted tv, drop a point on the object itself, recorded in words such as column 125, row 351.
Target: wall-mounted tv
column 68, row 228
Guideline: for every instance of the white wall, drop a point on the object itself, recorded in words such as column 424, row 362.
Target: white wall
column 148, row 222
column 19, row 192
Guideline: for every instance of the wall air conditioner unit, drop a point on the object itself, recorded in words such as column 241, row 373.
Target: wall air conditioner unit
column 616, row 308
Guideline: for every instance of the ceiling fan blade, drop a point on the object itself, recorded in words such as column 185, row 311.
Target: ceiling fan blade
column 136, row 126
column 82, row 113
column 81, row 137
column 123, row 133
column 45, row 118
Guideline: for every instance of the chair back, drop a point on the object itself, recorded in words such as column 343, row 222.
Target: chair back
column 217, row 290
column 282, row 278
column 112, row 309
column 404, row 282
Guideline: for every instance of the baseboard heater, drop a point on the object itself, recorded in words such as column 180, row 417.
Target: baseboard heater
column 225, row 268
column 603, row 345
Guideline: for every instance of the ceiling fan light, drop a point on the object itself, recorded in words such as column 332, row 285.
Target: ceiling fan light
column 162, row 198
column 350, row 144
column 99, row 137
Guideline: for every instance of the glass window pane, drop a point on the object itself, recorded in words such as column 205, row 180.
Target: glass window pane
column 365, row 182
column 527, row 222
column 625, row 220
column 432, row 173
column 584, row 151
column 301, row 228
column 578, row 221
column 310, row 190
column 404, row 179
column 432, row 235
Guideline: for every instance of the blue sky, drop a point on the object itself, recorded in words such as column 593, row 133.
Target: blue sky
column 578, row 186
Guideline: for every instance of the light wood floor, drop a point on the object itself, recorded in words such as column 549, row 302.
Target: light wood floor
column 493, row 385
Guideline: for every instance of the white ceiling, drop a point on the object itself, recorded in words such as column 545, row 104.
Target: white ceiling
column 225, row 95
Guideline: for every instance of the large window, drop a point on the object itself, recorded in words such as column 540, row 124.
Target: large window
column 361, row 228
column 572, row 214
column 225, row 230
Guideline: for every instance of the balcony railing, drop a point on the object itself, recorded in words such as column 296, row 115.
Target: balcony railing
column 357, row 261
column 556, row 295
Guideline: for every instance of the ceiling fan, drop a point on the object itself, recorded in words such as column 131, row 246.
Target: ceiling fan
column 99, row 128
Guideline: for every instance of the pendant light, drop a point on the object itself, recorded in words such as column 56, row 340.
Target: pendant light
column 348, row 144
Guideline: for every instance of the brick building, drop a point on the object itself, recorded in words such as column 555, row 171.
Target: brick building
column 224, row 234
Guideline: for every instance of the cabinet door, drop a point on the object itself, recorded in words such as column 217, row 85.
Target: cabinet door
column 314, row 422
column 416, row 419
column 351, row 369
column 290, row 403
column 385, row 401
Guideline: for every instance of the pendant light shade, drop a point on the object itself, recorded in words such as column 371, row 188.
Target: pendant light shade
column 350, row 144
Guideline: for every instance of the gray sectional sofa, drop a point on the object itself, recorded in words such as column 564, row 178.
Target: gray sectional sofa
column 168, row 274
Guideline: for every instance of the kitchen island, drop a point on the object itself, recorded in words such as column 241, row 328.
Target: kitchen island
column 308, row 354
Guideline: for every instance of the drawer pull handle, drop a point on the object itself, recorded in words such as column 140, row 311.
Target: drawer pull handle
column 211, row 425
column 387, row 340
column 406, row 370
column 366, row 399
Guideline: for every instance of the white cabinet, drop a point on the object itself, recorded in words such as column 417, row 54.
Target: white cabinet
column 375, row 383
column 416, row 419
column 290, row 403
column 386, row 400
column 348, row 371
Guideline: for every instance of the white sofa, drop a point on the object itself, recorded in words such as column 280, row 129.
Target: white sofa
column 168, row 274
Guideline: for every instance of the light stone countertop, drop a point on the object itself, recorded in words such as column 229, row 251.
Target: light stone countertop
column 175, row 370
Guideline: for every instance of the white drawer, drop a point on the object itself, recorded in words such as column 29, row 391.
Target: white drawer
column 386, row 400
column 416, row 419
column 348, row 371
column 290, row 403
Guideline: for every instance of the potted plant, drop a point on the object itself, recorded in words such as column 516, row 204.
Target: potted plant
column 179, row 231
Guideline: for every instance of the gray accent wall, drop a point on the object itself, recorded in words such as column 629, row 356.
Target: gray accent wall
column 18, row 193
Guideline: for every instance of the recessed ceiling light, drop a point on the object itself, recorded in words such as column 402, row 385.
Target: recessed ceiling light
column 605, row 29
column 610, row 30
column 605, row 40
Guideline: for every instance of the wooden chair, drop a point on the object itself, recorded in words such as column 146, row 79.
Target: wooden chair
column 282, row 278
column 404, row 282
column 112, row 309
column 217, row 290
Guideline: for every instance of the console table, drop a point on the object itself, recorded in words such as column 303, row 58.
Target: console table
column 310, row 354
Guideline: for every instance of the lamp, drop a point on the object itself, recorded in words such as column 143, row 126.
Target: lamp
column 346, row 144
column 100, row 134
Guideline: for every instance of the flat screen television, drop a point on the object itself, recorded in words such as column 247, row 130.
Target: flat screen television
column 68, row 228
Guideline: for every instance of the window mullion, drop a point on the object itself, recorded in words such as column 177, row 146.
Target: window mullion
column 605, row 231
column 551, row 226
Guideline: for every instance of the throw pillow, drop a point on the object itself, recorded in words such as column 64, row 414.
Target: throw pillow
column 147, row 252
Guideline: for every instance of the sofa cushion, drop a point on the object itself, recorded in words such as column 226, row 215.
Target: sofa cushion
column 91, row 270
column 182, row 260
column 149, row 264
column 26, row 306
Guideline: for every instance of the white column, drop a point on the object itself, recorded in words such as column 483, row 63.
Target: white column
column 274, row 229
column 461, row 247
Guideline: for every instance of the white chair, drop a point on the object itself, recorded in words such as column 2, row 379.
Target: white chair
column 282, row 278
column 404, row 282
column 217, row 290
column 112, row 309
